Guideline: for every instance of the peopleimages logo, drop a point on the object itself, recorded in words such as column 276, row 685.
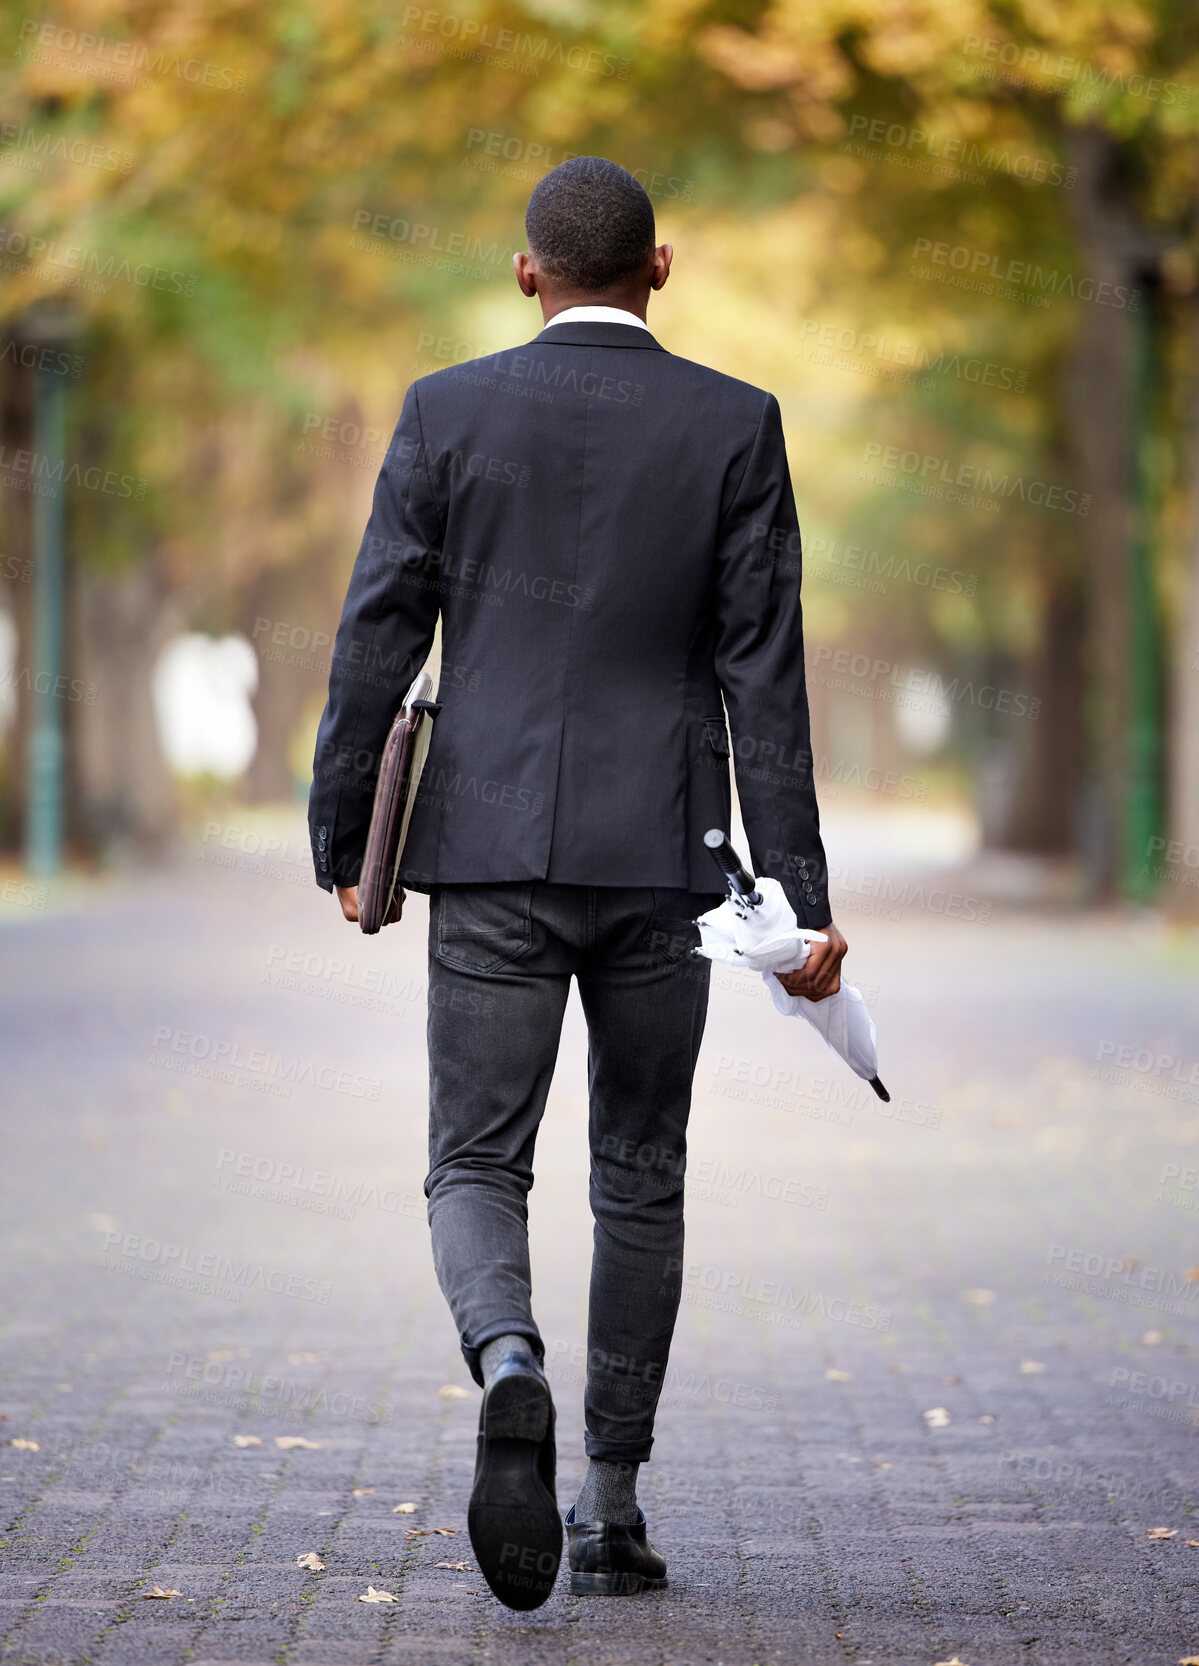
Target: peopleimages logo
column 982, row 264
column 969, row 483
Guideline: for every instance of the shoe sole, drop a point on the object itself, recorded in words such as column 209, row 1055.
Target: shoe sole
column 612, row 1584
column 515, row 1529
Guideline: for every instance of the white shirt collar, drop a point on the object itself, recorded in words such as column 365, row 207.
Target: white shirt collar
column 597, row 315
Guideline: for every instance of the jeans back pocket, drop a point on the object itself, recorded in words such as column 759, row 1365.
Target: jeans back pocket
column 481, row 928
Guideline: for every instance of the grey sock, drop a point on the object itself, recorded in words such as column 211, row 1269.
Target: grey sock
column 608, row 1493
column 499, row 1348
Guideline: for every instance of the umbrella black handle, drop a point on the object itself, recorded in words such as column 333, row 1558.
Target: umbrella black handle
column 741, row 882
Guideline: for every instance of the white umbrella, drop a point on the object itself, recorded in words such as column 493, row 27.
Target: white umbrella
column 756, row 928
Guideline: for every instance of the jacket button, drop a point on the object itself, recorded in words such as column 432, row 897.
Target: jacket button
column 322, row 832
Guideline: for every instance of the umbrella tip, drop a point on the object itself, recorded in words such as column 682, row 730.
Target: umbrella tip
column 880, row 1090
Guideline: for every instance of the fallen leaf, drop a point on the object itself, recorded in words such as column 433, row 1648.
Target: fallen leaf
column 954, row 1662
column 448, row 1531
column 363, row 1492
column 451, row 1391
column 1192, row 1275
column 303, row 1359
column 458, row 1567
column 1193, row 1544
column 937, row 1418
column 310, row 1560
column 882, row 1466
column 25, row 1445
column 1161, row 1532
column 980, row 1298
column 833, row 1376
column 371, row 1595
column 987, row 1417
column 1030, row 1367
column 951, row 1382
column 159, row 1592
column 1151, row 1338
column 246, row 1440
column 404, row 1510
column 286, row 1442
column 1189, row 1660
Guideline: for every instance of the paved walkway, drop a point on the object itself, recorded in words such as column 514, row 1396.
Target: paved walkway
column 935, row 1386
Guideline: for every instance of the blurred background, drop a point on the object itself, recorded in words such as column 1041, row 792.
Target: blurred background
column 932, row 1390
column 957, row 239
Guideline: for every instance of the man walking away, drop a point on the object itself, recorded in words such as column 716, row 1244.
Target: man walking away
column 608, row 535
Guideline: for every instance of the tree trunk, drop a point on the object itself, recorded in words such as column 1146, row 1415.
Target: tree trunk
column 1098, row 395
column 288, row 616
column 122, row 787
column 1177, row 865
column 16, row 597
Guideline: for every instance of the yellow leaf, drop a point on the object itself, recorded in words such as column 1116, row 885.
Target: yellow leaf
column 937, row 1418
column 834, row 1376
column 1031, row 1367
column 451, row 1391
column 246, row 1440
column 371, row 1595
column 363, row 1492
column 25, row 1445
column 404, row 1510
column 1161, row 1532
column 286, row 1442
column 458, row 1567
column 159, row 1592
column 954, row 1662
column 304, row 1358
column 310, row 1560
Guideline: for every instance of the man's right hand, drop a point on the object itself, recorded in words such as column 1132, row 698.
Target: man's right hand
column 820, row 975
column 347, row 896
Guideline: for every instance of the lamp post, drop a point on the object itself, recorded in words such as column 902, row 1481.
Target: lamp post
column 47, row 325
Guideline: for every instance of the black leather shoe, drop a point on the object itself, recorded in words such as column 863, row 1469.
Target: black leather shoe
column 515, row 1528
column 611, row 1559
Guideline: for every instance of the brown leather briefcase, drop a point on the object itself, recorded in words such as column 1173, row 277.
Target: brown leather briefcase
column 404, row 754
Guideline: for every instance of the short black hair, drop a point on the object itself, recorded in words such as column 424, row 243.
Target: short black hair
column 590, row 223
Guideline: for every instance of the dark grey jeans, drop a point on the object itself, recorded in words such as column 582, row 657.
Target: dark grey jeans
column 501, row 958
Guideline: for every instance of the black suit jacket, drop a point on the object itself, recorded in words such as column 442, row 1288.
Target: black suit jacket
column 609, row 536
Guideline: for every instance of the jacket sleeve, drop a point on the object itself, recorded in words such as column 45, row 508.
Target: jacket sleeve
column 386, row 631
column 760, row 664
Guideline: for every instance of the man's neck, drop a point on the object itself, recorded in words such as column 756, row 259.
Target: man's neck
column 551, row 307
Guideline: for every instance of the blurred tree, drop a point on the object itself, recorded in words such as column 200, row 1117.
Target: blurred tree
column 272, row 216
